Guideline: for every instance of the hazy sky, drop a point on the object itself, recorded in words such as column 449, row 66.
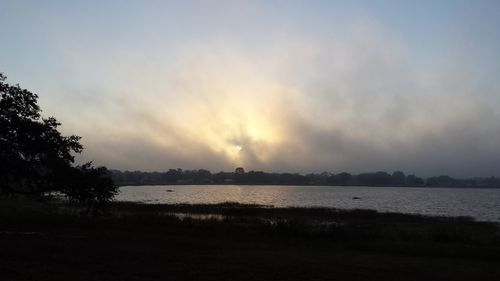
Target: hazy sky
column 269, row 85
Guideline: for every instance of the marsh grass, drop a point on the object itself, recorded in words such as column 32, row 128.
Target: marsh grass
column 170, row 238
column 330, row 224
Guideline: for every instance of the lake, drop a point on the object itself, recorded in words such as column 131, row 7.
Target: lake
column 479, row 203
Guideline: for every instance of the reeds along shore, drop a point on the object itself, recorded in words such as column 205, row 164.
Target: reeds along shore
column 240, row 242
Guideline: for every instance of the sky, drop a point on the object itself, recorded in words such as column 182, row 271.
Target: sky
column 296, row 86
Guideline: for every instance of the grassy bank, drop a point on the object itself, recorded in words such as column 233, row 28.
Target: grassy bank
column 241, row 242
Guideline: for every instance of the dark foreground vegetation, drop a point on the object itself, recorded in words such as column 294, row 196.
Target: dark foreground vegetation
column 239, row 176
column 240, row 242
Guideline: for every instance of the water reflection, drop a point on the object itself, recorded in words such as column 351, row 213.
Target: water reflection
column 482, row 204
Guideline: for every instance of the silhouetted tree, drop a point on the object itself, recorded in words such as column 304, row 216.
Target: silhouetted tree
column 343, row 178
column 36, row 159
column 440, row 181
column 398, row 178
column 377, row 178
column 414, row 180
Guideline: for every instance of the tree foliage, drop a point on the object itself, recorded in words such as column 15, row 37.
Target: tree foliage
column 36, row 159
column 398, row 178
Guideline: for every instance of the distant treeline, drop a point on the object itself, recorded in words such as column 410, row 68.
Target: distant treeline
column 239, row 176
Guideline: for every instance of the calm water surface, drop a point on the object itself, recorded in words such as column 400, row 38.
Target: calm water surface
column 479, row 203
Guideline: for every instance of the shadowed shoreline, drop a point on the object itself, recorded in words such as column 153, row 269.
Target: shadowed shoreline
column 231, row 241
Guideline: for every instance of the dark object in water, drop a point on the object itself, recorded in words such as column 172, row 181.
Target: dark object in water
column 356, row 198
column 169, row 190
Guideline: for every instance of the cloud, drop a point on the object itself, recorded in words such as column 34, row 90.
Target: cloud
column 352, row 102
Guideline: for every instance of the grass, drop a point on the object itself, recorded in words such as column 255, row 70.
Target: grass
column 40, row 241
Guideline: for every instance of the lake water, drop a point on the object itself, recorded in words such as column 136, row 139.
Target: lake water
column 479, row 203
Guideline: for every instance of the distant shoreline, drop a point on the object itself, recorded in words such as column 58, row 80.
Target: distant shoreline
column 242, row 177
column 322, row 185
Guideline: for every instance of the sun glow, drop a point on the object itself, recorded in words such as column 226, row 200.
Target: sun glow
column 240, row 129
column 236, row 112
column 230, row 132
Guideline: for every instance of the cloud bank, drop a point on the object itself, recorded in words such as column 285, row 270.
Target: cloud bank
column 355, row 101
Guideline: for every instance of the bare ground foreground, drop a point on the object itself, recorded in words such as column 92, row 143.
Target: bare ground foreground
column 240, row 242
